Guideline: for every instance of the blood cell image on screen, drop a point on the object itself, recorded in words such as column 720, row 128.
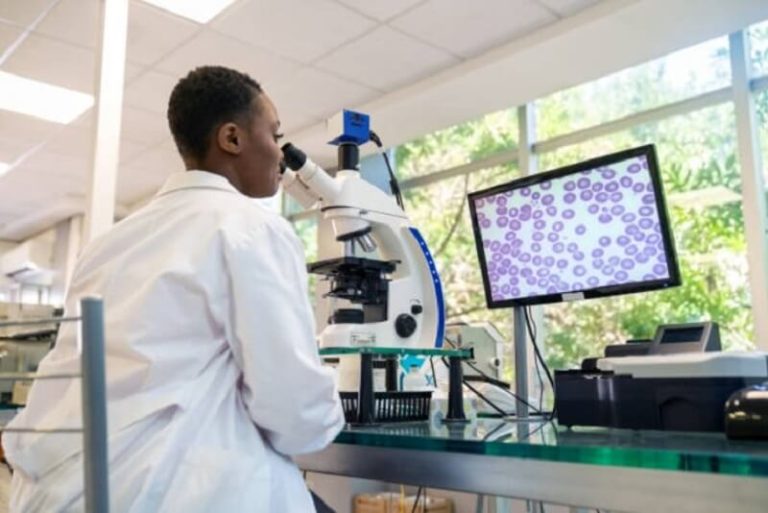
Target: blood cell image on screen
column 585, row 230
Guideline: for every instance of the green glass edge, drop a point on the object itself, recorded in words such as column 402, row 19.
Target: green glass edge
column 646, row 458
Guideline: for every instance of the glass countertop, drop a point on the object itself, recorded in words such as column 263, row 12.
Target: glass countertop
column 400, row 351
column 541, row 440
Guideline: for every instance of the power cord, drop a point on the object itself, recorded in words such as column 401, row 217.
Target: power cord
column 416, row 502
column 537, row 352
column 393, row 184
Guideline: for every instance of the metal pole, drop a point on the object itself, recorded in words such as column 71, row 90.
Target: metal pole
column 94, row 407
column 521, row 361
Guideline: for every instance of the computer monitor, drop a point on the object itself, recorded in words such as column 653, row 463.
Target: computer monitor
column 593, row 229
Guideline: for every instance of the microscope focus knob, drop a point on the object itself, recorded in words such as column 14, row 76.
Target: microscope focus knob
column 405, row 325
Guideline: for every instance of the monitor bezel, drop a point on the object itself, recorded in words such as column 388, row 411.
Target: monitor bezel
column 649, row 152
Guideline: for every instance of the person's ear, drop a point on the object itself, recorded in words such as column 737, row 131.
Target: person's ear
column 229, row 139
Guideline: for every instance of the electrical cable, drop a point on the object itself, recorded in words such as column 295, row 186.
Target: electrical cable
column 532, row 333
column 416, row 502
column 393, row 183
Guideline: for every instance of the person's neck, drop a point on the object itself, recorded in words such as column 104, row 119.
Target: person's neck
column 218, row 168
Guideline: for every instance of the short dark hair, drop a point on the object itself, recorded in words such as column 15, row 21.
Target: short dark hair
column 207, row 97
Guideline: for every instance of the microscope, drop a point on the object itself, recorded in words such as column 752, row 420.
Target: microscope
column 386, row 283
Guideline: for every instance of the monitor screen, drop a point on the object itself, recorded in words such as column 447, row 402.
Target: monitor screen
column 593, row 229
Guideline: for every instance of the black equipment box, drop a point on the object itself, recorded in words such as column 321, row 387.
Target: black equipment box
column 622, row 401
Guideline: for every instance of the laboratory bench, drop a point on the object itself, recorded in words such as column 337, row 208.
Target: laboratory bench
column 607, row 469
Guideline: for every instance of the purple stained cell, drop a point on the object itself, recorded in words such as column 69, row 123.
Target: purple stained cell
column 638, row 188
column 539, row 224
column 505, row 249
column 653, row 238
column 525, row 257
column 634, row 168
column 494, row 277
column 531, row 281
column 577, row 285
column 597, row 186
column 625, row 182
column 501, row 211
column 607, row 270
column 617, row 210
column 525, row 191
column 608, row 173
column 572, row 246
column 645, row 223
column 614, row 260
column 578, row 255
column 536, row 247
column 495, row 245
column 554, row 278
column 648, row 199
column 579, row 270
column 513, row 212
column 649, row 187
column 593, row 281
column 617, row 197
column 526, row 272
column 538, row 236
column 514, row 280
column 580, row 229
column 631, row 250
column 621, row 276
column 495, row 289
column 535, row 196
column 649, row 277
column 639, row 236
column 502, row 222
column 583, row 183
column 538, row 214
column 612, row 186
column 525, row 215
column 585, row 196
column 659, row 269
column 551, row 290
column 548, row 199
column 597, row 252
column 497, row 256
column 510, row 236
column 515, row 252
column 559, row 247
column 514, row 292
column 631, row 229
column 604, row 241
column 549, row 261
column 641, row 258
column 546, row 185
column 623, row 240
column 569, row 185
column 562, row 263
column 485, row 223
column 526, row 208
column 501, row 201
column 542, row 272
column 551, row 211
column 536, row 260
column 480, row 203
column 558, row 226
column 514, row 224
column 650, row 250
column 513, row 271
column 569, row 197
column 552, row 237
column 661, row 257
column 598, row 263
column 627, row 264
column 505, row 289
column 568, row 214
column 628, row 217
column 602, row 197
column 593, row 208
column 605, row 218
column 612, row 282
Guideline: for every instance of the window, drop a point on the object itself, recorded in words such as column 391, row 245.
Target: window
column 697, row 156
column 457, row 145
column 758, row 41
column 698, row 69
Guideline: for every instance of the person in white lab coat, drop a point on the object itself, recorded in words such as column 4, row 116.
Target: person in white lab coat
column 213, row 376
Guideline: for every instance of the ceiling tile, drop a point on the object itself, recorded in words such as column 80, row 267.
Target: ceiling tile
column 382, row 11
column 73, row 21
column 150, row 91
column 21, row 133
column 137, row 183
column 159, row 161
column 8, row 34
column 297, row 29
column 22, row 12
column 54, row 62
column 51, row 164
column 152, row 33
column 211, row 48
column 386, row 59
column 144, row 127
column 317, row 93
column 567, row 7
column 463, row 28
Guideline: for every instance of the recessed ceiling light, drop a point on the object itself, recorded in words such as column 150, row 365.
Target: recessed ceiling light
column 201, row 11
column 41, row 100
column 4, row 168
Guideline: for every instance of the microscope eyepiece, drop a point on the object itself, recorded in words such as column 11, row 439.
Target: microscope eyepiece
column 294, row 158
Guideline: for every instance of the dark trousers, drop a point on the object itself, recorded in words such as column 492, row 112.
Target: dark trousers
column 320, row 505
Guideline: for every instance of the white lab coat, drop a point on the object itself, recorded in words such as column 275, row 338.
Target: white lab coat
column 213, row 377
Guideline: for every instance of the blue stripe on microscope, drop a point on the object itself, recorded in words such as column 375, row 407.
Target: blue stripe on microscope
column 438, row 286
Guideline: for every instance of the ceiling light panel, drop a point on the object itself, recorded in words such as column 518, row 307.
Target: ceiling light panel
column 201, row 11
column 41, row 100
